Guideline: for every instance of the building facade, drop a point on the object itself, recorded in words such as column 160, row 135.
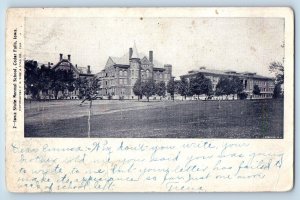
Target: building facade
column 121, row 73
column 78, row 72
column 65, row 64
column 249, row 79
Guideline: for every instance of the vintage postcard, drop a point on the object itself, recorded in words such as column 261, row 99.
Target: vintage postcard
column 149, row 99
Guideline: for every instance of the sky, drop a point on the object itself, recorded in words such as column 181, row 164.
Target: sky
column 240, row 44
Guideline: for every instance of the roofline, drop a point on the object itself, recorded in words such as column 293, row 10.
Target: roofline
column 66, row 60
column 237, row 74
column 121, row 65
column 158, row 69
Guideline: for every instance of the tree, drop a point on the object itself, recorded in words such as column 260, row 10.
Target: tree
column 44, row 82
column 196, row 84
column 148, row 88
column 61, row 80
column 179, row 88
column 207, row 87
column 277, row 91
column 183, row 87
column 31, row 78
column 160, row 89
column 94, row 85
column 229, row 85
column 236, row 85
column 278, row 69
column 171, row 88
column 223, row 87
column 81, row 84
column 243, row 95
column 137, row 89
column 201, row 85
column 87, row 86
column 256, row 90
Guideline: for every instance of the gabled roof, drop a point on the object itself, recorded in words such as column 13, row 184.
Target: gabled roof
column 79, row 70
column 110, row 62
column 145, row 60
column 156, row 63
column 124, row 60
column 68, row 62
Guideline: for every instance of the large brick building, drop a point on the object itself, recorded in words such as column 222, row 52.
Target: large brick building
column 249, row 79
column 121, row 73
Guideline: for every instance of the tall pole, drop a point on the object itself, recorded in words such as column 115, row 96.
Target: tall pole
column 89, row 120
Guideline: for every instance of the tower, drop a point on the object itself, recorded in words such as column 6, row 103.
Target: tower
column 134, row 62
column 135, row 66
column 167, row 72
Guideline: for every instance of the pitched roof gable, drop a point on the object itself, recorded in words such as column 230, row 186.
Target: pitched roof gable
column 124, row 60
column 69, row 63
column 109, row 62
column 145, row 60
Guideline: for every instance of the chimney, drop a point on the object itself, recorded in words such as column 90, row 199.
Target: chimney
column 49, row 65
column 88, row 69
column 76, row 66
column 60, row 56
column 168, row 68
column 151, row 56
column 130, row 53
column 69, row 57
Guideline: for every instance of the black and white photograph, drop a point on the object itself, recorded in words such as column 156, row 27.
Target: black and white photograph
column 150, row 99
column 154, row 77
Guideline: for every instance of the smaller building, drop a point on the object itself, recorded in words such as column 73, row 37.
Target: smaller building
column 65, row 64
column 249, row 79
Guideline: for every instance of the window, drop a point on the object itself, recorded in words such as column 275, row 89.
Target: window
column 125, row 73
column 147, row 73
column 125, row 81
column 121, row 73
column 160, row 75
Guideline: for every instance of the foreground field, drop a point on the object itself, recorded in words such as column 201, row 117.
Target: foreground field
column 179, row 119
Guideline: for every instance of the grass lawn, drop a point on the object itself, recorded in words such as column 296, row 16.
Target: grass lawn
column 179, row 119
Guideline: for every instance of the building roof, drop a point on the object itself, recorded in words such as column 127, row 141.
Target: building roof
column 77, row 69
column 158, row 69
column 227, row 72
column 124, row 60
